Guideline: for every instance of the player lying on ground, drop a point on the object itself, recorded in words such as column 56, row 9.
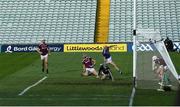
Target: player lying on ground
column 160, row 67
column 88, row 66
column 108, row 59
column 105, row 72
column 44, row 51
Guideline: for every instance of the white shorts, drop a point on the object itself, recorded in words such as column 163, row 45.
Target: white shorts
column 109, row 60
column 44, row 56
column 90, row 70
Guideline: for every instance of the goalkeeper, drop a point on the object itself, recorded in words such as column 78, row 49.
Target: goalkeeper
column 161, row 68
column 105, row 72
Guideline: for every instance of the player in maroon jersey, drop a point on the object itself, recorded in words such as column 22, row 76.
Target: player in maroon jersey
column 44, row 51
column 88, row 66
column 160, row 66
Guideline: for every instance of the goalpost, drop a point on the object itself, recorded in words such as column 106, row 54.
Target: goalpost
column 148, row 43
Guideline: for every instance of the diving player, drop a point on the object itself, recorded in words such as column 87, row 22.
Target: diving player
column 88, row 66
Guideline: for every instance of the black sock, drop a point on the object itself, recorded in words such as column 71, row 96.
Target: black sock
column 47, row 71
column 43, row 66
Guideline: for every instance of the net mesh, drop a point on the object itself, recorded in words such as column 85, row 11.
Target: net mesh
column 148, row 45
column 145, row 35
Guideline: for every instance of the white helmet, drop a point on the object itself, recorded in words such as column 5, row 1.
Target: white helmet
column 154, row 58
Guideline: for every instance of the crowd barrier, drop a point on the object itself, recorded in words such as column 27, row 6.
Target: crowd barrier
column 94, row 47
column 30, row 48
column 121, row 47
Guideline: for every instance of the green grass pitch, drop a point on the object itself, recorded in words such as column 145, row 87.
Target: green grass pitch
column 65, row 86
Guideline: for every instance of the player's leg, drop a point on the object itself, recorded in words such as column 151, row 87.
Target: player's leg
column 105, row 60
column 90, row 70
column 166, row 79
column 100, row 70
column 86, row 72
column 161, row 88
column 109, row 61
column 42, row 60
column 115, row 66
column 101, row 73
column 42, row 65
column 94, row 72
column 46, row 63
column 158, row 70
column 110, row 75
column 160, row 74
column 161, row 71
column 103, row 76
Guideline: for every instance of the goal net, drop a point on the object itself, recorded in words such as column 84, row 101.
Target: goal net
column 151, row 73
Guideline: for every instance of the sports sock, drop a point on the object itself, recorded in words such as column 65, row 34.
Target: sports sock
column 120, row 71
column 42, row 69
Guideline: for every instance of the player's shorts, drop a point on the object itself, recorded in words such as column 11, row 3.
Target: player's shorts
column 109, row 60
column 44, row 56
column 90, row 70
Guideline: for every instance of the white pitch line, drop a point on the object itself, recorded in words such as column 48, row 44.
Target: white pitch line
column 132, row 97
column 25, row 90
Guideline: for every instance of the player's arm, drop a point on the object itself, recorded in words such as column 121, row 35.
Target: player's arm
column 94, row 61
column 84, row 68
column 38, row 50
column 49, row 52
column 112, row 46
column 154, row 66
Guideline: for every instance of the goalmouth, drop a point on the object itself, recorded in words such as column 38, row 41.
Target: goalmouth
column 149, row 43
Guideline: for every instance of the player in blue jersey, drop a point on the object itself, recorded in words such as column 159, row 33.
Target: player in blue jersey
column 108, row 58
column 44, row 51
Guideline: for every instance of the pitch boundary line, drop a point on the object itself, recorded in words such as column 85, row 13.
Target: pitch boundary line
column 25, row 90
column 132, row 97
column 117, row 95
